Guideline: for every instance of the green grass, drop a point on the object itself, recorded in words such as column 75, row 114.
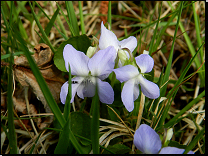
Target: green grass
column 69, row 19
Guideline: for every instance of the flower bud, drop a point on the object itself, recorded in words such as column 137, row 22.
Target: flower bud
column 91, row 51
column 146, row 52
column 169, row 136
column 122, row 56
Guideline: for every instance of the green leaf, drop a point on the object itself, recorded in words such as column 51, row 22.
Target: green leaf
column 118, row 149
column 80, row 43
column 67, row 137
column 112, row 115
column 80, row 126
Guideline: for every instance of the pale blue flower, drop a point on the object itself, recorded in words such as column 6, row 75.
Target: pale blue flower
column 132, row 77
column 108, row 38
column 88, row 71
column 148, row 142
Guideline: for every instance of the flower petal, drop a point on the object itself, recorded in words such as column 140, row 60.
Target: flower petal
column 102, row 63
column 130, row 43
column 171, row 150
column 128, row 95
column 78, row 61
column 86, row 87
column 148, row 88
column 190, row 152
column 147, row 140
column 105, row 92
column 126, row 72
column 145, row 63
column 136, row 91
column 64, row 91
column 107, row 38
column 80, row 91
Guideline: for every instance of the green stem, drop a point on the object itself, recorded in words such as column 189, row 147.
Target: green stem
column 95, row 123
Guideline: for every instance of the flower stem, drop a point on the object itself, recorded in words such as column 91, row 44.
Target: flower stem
column 114, row 75
column 141, row 107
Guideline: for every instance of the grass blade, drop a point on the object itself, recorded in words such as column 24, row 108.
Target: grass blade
column 35, row 143
column 184, row 73
column 199, row 41
column 109, row 13
column 41, row 81
column 64, row 35
column 70, row 27
column 137, row 31
column 41, row 29
column 95, row 123
column 72, row 17
column 67, row 106
column 194, row 141
column 168, row 67
column 46, row 92
column 187, row 107
column 197, row 26
column 191, row 48
column 50, row 24
column 155, row 32
column 81, row 18
column 64, row 140
column 11, row 127
column 12, row 134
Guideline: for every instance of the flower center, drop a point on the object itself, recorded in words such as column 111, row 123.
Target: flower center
column 86, row 81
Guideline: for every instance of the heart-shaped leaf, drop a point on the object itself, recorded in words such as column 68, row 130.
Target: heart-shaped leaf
column 80, row 43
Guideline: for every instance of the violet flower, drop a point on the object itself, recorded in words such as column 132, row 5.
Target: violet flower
column 89, row 71
column 148, row 142
column 131, row 76
column 108, row 38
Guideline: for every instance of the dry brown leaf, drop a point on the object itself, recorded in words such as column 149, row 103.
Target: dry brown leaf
column 43, row 56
